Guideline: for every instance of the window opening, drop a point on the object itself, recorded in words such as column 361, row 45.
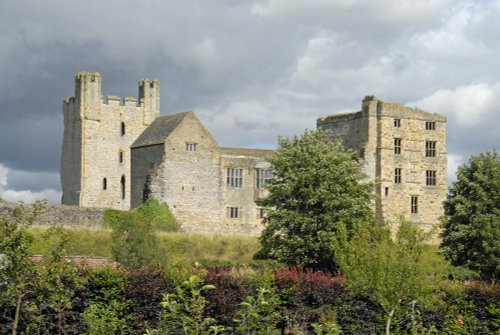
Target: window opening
column 430, row 178
column 104, row 184
column 191, row 146
column 234, row 178
column 122, row 187
column 120, row 156
column 122, row 128
column 397, row 175
column 233, row 212
column 397, row 123
column 397, row 146
column 430, row 125
column 386, row 191
column 263, row 177
column 430, row 148
column 414, row 204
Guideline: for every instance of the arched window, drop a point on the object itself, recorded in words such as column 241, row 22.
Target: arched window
column 122, row 186
column 104, row 184
column 122, row 128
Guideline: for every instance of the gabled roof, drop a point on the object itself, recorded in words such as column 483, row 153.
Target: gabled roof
column 159, row 130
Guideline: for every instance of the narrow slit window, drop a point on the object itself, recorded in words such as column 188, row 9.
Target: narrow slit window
column 397, row 123
column 120, row 156
column 122, row 187
column 122, row 128
column 414, row 204
column 104, row 184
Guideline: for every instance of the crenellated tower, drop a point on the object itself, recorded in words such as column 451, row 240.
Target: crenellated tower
column 98, row 132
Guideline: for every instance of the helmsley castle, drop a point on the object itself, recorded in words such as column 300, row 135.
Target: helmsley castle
column 117, row 153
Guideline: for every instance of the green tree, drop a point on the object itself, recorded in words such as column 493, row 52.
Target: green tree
column 471, row 234
column 392, row 271
column 17, row 272
column 316, row 185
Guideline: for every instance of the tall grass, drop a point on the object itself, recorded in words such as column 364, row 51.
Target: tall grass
column 180, row 247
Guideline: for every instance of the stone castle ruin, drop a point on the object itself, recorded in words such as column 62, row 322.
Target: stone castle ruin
column 117, row 153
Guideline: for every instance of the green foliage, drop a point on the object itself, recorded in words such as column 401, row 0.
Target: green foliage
column 159, row 215
column 17, row 272
column 56, row 278
column 105, row 319
column 316, row 185
column 259, row 314
column 328, row 324
column 471, row 235
column 156, row 213
column 107, row 309
column 183, row 312
column 133, row 241
column 392, row 272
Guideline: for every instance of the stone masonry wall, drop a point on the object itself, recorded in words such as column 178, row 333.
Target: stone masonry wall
column 373, row 131
column 95, row 168
column 71, row 216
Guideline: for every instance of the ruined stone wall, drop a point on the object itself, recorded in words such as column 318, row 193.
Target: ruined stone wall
column 70, row 216
column 145, row 164
column 96, row 154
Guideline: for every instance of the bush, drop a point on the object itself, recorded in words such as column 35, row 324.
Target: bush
column 133, row 241
column 159, row 215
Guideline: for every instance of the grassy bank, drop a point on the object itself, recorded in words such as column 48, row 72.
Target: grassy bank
column 180, row 247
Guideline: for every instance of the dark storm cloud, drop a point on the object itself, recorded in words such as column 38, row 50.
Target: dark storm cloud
column 251, row 70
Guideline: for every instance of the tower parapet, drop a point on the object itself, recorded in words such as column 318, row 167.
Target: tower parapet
column 98, row 132
column 149, row 99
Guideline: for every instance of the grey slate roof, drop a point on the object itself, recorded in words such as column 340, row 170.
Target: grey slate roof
column 159, row 130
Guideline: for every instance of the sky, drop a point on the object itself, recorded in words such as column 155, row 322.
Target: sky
column 250, row 70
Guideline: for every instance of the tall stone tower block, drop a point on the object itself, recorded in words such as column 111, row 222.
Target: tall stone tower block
column 98, row 132
column 403, row 150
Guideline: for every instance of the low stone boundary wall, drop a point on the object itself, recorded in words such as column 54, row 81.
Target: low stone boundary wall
column 72, row 216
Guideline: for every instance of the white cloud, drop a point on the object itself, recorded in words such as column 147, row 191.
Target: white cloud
column 27, row 196
column 469, row 106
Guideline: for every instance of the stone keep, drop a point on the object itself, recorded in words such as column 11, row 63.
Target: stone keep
column 403, row 151
column 98, row 132
column 119, row 153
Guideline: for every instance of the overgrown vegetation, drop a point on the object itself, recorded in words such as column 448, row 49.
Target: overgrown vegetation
column 391, row 271
column 154, row 212
column 181, row 248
